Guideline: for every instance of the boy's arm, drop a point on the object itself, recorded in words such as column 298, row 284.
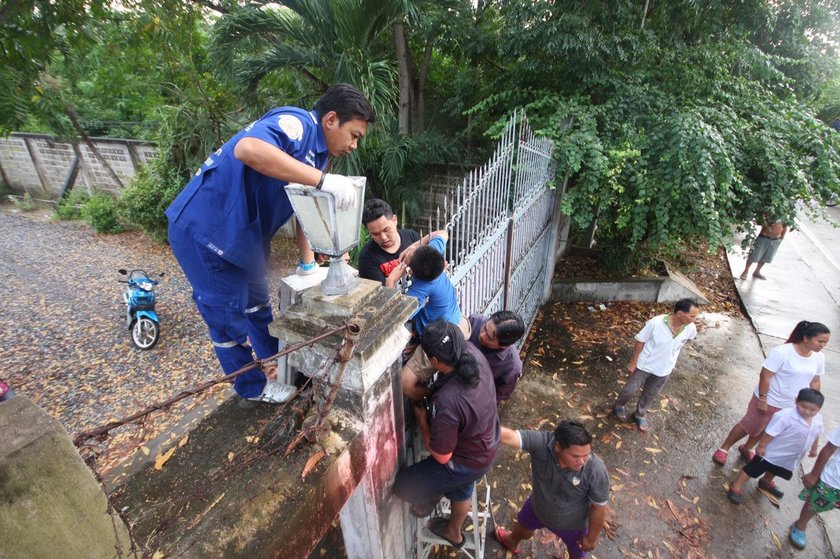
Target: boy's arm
column 762, row 444
column 814, row 447
column 637, row 351
column 405, row 256
column 395, row 275
column 439, row 233
column 597, row 517
column 810, row 479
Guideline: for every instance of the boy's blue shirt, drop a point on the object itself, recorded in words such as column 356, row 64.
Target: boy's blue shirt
column 436, row 298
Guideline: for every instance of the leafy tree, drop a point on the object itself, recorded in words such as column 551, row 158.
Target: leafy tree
column 675, row 122
column 323, row 41
column 31, row 34
column 301, row 48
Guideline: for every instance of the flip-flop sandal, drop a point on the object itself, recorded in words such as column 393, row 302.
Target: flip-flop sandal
column 437, row 525
column 642, row 423
column 499, row 534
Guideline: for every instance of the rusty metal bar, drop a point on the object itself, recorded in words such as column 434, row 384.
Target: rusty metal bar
column 102, row 430
column 342, row 355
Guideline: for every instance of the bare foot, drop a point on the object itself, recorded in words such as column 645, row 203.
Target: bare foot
column 758, row 275
column 744, row 276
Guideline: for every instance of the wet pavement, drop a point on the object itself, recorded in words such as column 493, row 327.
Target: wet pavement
column 803, row 283
column 64, row 347
column 668, row 496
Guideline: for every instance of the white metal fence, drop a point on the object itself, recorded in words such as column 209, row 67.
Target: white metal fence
column 502, row 226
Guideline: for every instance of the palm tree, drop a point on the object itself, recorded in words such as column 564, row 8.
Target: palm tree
column 306, row 45
column 323, row 41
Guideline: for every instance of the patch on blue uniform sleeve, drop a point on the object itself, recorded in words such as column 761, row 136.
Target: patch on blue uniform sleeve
column 291, row 126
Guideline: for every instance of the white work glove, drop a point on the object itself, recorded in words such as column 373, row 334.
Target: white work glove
column 342, row 188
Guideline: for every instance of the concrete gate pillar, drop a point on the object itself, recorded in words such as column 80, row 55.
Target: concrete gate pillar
column 374, row 523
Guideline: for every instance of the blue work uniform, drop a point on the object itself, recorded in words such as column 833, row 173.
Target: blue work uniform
column 220, row 229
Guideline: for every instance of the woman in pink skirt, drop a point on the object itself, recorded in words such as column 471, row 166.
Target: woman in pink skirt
column 788, row 368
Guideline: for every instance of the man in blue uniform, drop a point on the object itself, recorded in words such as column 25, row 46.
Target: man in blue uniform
column 221, row 225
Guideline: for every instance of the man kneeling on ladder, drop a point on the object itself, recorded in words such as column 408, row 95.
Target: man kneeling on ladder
column 461, row 431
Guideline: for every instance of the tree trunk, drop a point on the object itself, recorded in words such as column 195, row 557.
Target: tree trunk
column 404, row 67
column 74, row 118
column 644, row 14
column 419, row 107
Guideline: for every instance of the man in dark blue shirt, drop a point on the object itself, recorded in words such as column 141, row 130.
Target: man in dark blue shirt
column 221, row 225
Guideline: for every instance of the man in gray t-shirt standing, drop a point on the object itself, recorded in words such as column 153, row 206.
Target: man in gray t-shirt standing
column 571, row 488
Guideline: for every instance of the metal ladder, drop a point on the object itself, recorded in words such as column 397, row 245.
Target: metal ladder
column 475, row 528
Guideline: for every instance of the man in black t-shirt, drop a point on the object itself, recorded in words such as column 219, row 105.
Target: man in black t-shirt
column 381, row 254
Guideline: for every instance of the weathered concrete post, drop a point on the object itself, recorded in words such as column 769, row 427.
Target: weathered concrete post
column 50, row 503
column 373, row 521
column 232, row 491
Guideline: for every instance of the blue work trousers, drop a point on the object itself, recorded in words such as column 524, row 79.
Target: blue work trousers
column 234, row 304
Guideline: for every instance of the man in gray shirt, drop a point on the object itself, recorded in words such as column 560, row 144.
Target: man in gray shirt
column 571, row 488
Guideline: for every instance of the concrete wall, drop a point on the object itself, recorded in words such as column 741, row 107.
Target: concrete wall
column 50, row 503
column 39, row 164
column 219, row 497
column 664, row 289
column 436, row 189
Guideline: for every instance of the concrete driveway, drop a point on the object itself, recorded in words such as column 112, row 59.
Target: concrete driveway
column 803, row 283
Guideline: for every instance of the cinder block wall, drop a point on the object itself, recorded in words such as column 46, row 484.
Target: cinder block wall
column 40, row 164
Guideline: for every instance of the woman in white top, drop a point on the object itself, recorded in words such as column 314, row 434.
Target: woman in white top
column 788, row 368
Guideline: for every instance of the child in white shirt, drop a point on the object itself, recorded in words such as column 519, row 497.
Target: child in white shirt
column 790, row 434
column 822, row 488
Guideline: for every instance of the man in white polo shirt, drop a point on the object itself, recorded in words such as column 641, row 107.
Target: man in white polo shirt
column 655, row 354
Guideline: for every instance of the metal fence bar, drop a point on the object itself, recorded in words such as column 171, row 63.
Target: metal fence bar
column 498, row 218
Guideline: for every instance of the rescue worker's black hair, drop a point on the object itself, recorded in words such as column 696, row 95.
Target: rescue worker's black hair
column 347, row 102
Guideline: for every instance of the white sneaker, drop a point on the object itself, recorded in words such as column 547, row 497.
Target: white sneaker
column 276, row 392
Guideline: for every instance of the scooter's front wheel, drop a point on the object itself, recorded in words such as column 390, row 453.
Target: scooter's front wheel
column 144, row 333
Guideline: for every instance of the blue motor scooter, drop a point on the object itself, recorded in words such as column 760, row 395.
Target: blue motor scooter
column 140, row 315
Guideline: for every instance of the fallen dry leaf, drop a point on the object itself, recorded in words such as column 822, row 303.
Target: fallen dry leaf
column 311, row 463
column 770, row 497
column 160, row 460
